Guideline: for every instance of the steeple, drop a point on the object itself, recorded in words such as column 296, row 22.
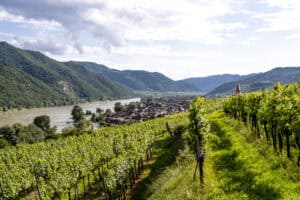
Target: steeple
column 238, row 89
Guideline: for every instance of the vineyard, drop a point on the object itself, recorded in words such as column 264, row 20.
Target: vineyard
column 113, row 155
column 250, row 149
column 273, row 115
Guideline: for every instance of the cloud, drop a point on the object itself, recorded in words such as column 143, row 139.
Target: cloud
column 114, row 23
column 47, row 45
column 295, row 36
column 181, row 37
column 67, row 13
column 284, row 15
column 45, row 24
column 180, row 20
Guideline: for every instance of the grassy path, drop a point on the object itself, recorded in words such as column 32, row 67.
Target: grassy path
column 242, row 170
column 237, row 167
column 164, row 155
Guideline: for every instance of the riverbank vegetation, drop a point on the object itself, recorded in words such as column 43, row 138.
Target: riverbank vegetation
column 38, row 131
column 84, row 121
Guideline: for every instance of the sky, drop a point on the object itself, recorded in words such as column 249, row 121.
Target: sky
column 180, row 38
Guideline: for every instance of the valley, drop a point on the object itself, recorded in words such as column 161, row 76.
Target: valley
column 149, row 100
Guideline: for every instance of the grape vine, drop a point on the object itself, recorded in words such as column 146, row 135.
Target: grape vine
column 273, row 115
column 114, row 155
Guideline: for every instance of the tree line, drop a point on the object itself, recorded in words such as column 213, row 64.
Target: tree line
column 37, row 131
column 40, row 130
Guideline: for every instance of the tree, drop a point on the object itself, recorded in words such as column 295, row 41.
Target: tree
column 131, row 106
column 3, row 143
column 99, row 110
column 31, row 134
column 83, row 126
column 118, row 107
column 107, row 112
column 9, row 134
column 295, row 126
column 88, row 112
column 69, row 131
column 77, row 113
column 43, row 122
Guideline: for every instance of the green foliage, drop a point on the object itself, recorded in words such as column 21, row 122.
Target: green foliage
column 43, row 122
column 9, row 134
column 177, row 131
column 245, row 167
column 207, row 84
column 17, row 134
column 60, row 164
column 4, row 143
column 139, row 80
column 256, row 82
column 118, row 107
column 274, row 113
column 199, row 126
column 83, row 126
column 31, row 79
column 31, row 134
column 39, row 131
column 237, row 166
column 77, row 113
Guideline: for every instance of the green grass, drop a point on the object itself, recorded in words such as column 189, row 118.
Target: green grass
column 237, row 166
column 164, row 156
column 241, row 169
column 171, row 174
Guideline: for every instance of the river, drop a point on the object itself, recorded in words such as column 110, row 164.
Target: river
column 60, row 116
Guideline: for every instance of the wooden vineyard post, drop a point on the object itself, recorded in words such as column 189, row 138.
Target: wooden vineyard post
column 105, row 188
column 200, row 160
column 37, row 186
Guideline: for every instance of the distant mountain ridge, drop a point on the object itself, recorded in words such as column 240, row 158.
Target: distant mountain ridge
column 208, row 83
column 259, row 81
column 139, row 80
column 211, row 85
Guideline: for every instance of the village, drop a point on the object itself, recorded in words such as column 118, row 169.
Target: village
column 147, row 108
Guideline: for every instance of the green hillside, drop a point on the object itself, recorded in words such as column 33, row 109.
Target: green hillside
column 17, row 88
column 51, row 82
column 139, row 80
column 207, row 84
column 259, row 81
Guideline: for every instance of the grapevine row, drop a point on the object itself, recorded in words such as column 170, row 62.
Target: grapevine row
column 54, row 168
column 273, row 115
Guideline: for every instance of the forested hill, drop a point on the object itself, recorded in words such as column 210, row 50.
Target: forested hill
column 140, row 80
column 208, row 83
column 260, row 81
column 31, row 79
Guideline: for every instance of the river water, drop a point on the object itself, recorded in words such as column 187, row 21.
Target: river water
column 60, row 116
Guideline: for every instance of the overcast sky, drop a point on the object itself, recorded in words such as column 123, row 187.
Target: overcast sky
column 180, row 38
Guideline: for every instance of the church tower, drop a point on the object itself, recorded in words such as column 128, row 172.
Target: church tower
column 238, row 89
